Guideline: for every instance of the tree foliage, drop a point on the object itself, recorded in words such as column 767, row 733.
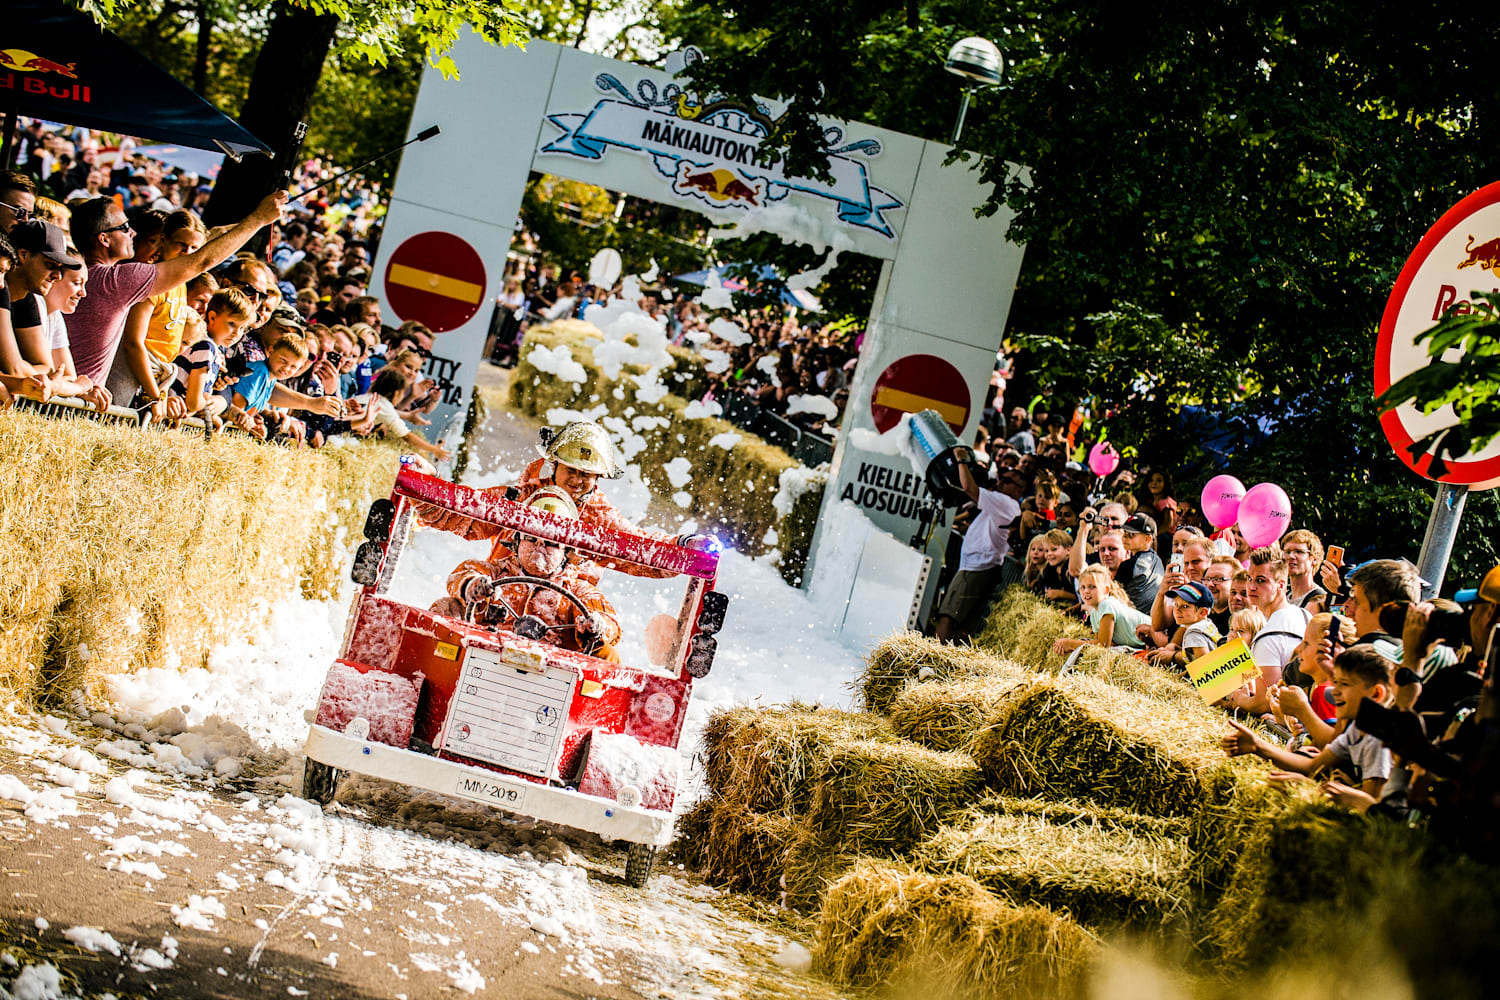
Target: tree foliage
column 1470, row 383
column 1216, row 201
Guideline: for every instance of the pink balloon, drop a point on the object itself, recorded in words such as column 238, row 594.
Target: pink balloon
column 1221, row 500
column 1103, row 458
column 1265, row 514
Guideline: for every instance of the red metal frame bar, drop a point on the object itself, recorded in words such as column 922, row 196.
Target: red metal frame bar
column 492, row 508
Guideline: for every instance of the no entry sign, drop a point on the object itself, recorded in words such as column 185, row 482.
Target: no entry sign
column 1459, row 254
column 435, row 278
column 920, row 382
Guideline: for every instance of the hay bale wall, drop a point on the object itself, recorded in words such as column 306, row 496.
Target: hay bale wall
column 1105, row 868
column 881, row 798
column 883, row 925
column 769, row 760
column 733, row 489
column 122, row 549
column 1078, row 737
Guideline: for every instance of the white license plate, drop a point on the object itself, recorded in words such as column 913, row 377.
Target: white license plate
column 491, row 793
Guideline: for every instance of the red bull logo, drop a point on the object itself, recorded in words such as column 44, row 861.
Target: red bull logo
column 1486, row 255
column 23, row 64
column 722, row 186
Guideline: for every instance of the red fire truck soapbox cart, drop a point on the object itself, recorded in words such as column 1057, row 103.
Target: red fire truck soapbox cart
column 501, row 715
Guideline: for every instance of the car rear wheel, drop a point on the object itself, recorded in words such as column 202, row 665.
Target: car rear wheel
column 639, row 859
column 320, row 781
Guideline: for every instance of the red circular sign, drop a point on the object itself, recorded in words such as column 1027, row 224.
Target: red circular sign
column 920, row 382
column 435, row 278
column 1461, row 252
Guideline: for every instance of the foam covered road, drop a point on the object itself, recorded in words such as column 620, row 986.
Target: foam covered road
column 154, row 843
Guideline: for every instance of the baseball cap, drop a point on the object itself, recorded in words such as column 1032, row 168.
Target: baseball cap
column 46, row 239
column 1139, row 524
column 1194, row 593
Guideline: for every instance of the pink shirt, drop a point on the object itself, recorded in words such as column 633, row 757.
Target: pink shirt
column 97, row 324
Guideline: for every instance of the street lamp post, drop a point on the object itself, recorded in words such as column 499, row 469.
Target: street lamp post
column 978, row 61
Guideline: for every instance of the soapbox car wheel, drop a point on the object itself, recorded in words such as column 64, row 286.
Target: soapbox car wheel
column 639, row 860
column 320, row 781
column 528, row 626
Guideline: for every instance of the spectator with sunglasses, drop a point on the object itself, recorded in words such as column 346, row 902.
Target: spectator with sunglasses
column 17, row 199
column 115, row 283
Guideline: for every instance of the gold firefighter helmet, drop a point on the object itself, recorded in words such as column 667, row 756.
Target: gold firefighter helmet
column 554, row 500
column 583, row 445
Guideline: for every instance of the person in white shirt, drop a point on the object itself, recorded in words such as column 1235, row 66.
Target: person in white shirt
column 985, row 546
column 1275, row 645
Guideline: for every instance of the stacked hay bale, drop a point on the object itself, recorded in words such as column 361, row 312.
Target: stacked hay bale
column 987, row 823
column 884, row 924
column 124, row 549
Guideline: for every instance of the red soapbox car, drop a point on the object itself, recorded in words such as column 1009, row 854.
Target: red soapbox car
column 501, row 715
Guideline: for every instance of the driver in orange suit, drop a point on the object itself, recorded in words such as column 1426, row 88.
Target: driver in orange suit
column 475, row 581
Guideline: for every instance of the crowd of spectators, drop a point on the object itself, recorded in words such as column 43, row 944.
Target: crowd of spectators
column 1362, row 680
column 773, row 357
column 118, row 294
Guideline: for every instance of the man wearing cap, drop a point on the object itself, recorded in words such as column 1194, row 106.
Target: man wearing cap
column 1141, row 573
column 573, row 458
column 104, row 237
column 42, row 255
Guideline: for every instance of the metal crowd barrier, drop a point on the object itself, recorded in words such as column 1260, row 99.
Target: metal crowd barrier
column 804, row 446
column 68, row 408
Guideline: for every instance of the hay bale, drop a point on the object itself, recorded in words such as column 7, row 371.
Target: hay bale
column 1123, row 670
column 885, row 925
column 1077, row 737
column 1314, row 864
column 910, row 656
column 882, row 797
column 690, row 835
column 945, row 715
column 1105, row 869
column 122, row 549
column 812, row 865
column 1001, row 628
column 737, row 849
column 767, row 759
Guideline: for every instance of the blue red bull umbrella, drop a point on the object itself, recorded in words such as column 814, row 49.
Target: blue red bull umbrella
column 58, row 65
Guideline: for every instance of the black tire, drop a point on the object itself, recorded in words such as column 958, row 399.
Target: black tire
column 320, row 781
column 639, row 860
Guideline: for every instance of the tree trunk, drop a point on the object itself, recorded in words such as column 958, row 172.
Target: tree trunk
column 281, row 93
column 200, row 49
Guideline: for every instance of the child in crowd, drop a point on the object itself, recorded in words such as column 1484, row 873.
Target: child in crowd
column 1110, row 613
column 1055, row 584
column 1036, row 561
column 200, row 291
column 199, row 365
column 1196, row 635
column 381, row 413
column 1312, row 710
column 252, row 392
column 1358, row 674
column 1245, row 623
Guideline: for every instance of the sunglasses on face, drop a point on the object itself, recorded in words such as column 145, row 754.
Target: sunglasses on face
column 20, row 213
column 122, row 227
column 250, row 291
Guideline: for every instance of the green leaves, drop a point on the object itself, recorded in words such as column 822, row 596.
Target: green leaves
column 1469, row 384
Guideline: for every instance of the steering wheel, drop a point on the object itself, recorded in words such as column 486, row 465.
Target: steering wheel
column 529, row 626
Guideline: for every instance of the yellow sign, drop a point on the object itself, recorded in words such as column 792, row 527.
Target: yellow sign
column 1222, row 671
column 446, row 650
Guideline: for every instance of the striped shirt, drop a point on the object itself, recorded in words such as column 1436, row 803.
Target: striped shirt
column 205, row 356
